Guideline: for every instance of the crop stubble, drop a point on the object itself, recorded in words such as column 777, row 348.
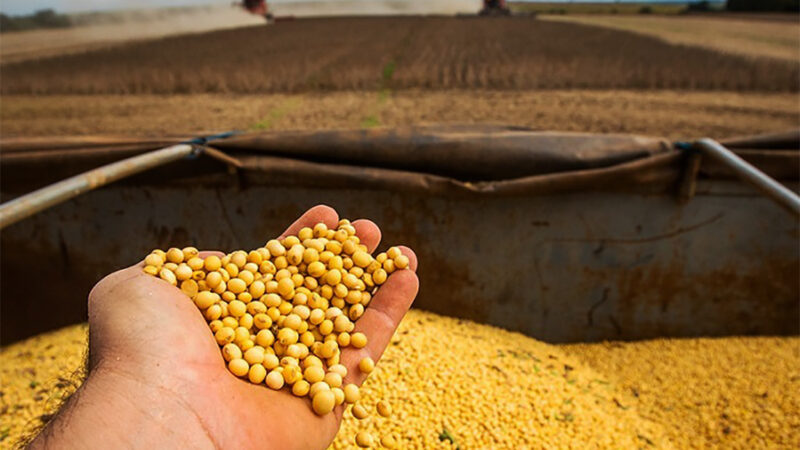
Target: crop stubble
column 774, row 38
column 398, row 53
column 674, row 114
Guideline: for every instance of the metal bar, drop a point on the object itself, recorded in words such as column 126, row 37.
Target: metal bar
column 750, row 174
column 690, row 170
column 15, row 210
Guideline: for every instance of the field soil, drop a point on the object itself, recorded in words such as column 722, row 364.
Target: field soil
column 364, row 72
column 583, row 7
column 378, row 53
column 754, row 36
column 673, row 114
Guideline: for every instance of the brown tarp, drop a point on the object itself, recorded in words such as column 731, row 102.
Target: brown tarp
column 463, row 154
column 489, row 160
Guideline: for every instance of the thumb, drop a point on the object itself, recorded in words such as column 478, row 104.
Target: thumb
column 134, row 316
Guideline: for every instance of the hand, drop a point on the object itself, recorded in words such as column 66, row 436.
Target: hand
column 157, row 378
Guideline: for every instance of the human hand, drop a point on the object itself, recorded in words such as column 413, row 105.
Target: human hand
column 156, row 376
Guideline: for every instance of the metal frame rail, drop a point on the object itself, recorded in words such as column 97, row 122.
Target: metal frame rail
column 27, row 205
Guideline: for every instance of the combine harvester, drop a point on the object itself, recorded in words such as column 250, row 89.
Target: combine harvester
column 498, row 8
column 257, row 7
column 494, row 8
column 563, row 236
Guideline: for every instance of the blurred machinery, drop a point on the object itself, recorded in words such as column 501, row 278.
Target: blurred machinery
column 258, row 7
column 494, row 8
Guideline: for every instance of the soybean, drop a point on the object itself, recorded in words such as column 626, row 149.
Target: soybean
column 363, row 439
column 323, row 402
column 366, row 365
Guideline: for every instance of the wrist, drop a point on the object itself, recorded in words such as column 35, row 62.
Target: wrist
column 115, row 408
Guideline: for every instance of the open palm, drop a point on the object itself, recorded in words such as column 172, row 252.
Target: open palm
column 149, row 333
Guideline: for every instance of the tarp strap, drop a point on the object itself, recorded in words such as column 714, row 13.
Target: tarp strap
column 203, row 140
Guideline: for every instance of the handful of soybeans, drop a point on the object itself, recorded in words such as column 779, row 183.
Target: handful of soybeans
column 282, row 313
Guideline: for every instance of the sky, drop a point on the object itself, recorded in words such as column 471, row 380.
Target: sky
column 15, row 7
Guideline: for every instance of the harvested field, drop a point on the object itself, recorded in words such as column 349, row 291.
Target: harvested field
column 95, row 30
column 106, row 29
column 398, row 53
column 732, row 34
column 673, row 114
column 583, row 7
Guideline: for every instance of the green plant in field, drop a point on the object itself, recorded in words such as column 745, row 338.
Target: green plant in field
column 371, row 121
column 384, row 92
column 388, row 73
column 276, row 114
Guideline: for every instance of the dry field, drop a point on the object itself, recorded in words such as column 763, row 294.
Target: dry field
column 95, row 30
column 674, row 114
column 108, row 29
column 583, row 7
column 747, row 36
column 399, row 53
column 395, row 71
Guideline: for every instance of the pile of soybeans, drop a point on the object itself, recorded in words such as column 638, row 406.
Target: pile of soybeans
column 458, row 384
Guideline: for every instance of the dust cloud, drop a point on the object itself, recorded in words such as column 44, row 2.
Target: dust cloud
column 369, row 7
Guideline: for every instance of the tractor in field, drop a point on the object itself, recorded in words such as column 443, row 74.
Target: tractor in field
column 494, row 8
column 258, row 7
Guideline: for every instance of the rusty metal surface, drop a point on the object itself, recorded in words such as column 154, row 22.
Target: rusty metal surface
column 574, row 267
column 578, row 256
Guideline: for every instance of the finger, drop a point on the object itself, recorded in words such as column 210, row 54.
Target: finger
column 206, row 253
column 368, row 233
column 315, row 215
column 380, row 321
column 110, row 281
column 412, row 257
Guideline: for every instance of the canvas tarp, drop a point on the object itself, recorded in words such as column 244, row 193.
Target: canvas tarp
column 487, row 160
